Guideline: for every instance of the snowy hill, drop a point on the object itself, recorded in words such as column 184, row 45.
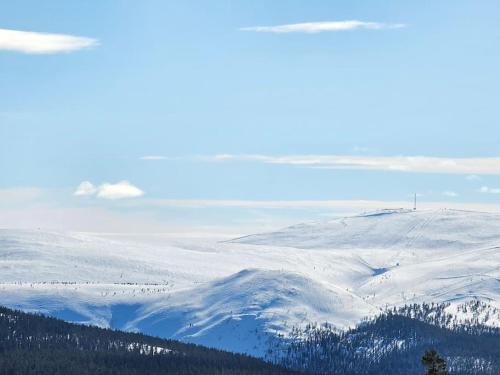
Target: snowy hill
column 397, row 229
column 234, row 294
column 236, row 312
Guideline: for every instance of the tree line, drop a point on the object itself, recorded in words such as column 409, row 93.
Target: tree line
column 33, row 344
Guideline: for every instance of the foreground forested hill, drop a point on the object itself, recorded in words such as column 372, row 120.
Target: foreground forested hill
column 393, row 343
column 33, row 344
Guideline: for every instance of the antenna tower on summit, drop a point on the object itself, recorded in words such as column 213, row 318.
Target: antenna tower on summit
column 415, row 202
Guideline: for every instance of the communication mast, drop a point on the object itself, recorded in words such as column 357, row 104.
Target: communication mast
column 415, row 202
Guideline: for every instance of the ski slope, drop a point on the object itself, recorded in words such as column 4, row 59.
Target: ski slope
column 234, row 294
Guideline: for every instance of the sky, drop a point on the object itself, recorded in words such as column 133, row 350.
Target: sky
column 236, row 116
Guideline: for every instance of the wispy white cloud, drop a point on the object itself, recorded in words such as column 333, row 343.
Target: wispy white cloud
column 120, row 190
column 473, row 177
column 489, row 190
column 450, row 194
column 420, row 164
column 42, row 43
column 85, row 188
column 153, row 157
column 318, row 27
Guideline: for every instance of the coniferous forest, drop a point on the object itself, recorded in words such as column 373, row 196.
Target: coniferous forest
column 393, row 343
column 33, row 344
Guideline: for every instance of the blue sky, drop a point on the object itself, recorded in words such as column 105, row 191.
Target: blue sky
column 217, row 123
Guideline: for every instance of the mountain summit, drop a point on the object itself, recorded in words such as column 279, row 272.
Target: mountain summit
column 397, row 229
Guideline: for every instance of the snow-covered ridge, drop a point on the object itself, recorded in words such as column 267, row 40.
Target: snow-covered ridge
column 472, row 313
column 232, row 295
column 402, row 229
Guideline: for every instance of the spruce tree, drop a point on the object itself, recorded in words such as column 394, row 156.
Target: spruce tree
column 434, row 363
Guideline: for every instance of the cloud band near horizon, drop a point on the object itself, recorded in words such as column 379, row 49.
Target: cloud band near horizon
column 327, row 26
column 415, row 164
column 473, row 166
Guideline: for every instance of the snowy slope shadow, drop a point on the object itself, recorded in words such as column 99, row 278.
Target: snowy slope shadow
column 238, row 312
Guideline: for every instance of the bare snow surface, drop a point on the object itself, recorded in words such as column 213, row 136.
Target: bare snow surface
column 234, row 294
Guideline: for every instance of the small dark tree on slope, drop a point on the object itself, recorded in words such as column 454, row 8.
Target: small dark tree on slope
column 434, row 363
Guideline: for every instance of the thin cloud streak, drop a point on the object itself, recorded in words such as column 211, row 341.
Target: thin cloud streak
column 153, row 157
column 42, row 43
column 489, row 190
column 355, row 206
column 416, row 164
column 318, row 27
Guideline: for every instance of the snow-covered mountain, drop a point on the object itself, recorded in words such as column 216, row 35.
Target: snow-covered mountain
column 234, row 294
column 398, row 229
